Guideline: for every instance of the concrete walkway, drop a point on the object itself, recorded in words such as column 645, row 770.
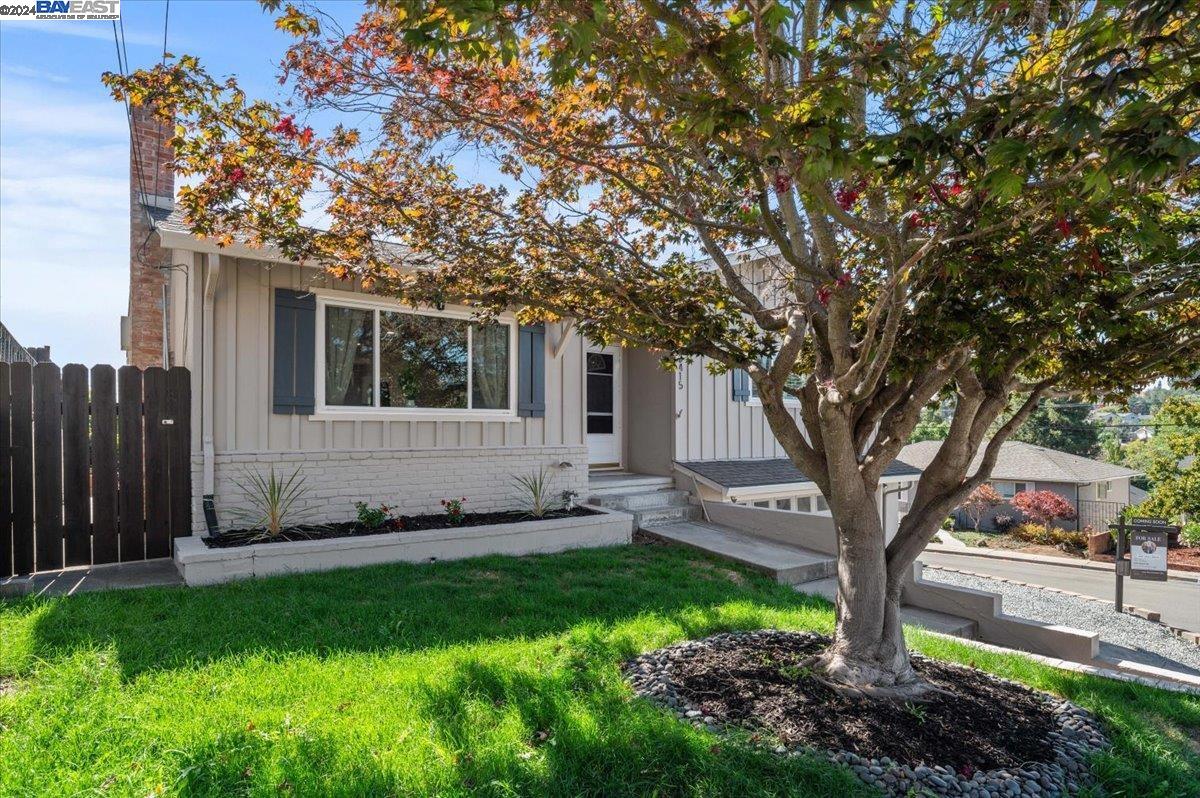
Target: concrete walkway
column 807, row 571
column 118, row 576
column 1176, row 600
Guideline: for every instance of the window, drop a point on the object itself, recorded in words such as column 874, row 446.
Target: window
column 765, row 503
column 382, row 357
column 600, row 388
column 783, row 504
column 1009, row 489
column 1102, row 489
column 819, row 505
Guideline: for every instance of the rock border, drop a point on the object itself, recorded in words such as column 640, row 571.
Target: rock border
column 1079, row 735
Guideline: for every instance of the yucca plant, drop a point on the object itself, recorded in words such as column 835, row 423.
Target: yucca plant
column 535, row 492
column 271, row 500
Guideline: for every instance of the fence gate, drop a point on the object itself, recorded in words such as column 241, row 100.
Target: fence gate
column 94, row 466
column 1099, row 514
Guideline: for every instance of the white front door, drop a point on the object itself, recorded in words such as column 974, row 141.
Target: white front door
column 602, row 405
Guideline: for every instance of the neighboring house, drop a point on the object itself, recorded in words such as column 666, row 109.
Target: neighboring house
column 379, row 402
column 12, row 352
column 1096, row 489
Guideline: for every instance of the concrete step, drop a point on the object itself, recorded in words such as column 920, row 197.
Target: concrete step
column 657, row 516
column 607, row 484
column 641, row 501
column 788, row 565
column 913, row 616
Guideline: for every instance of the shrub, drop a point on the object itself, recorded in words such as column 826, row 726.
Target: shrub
column 376, row 517
column 982, row 499
column 535, row 492
column 1189, row 534
column 1033, row 533
column 1043, row 535
column 948, row 524
column 454, row 510
column 1043, row 507
column 1004, row 522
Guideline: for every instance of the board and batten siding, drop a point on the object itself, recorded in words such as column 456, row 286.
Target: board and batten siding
column 243, row 421
column 710, row 425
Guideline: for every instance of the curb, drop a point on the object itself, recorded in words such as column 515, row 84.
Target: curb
column 1185, row 635
column 1076, row 667
column 1063, row 562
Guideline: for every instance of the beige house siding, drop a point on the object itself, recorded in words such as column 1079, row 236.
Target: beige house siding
column 709, row 425
column 243, row 321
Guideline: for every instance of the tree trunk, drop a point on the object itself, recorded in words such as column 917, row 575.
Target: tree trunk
column 868, row 651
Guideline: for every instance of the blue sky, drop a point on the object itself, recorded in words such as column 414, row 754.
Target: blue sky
column 64, row 162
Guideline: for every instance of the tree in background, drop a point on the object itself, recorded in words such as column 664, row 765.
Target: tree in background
column 932, row 426
column 1062, row 425
column 982, row 499
column 893, row 202
column 1171, row 460
column 1043, row 507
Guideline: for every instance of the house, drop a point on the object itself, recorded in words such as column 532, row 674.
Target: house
column 11, row 350
column 1097, row 490
column 376, row 401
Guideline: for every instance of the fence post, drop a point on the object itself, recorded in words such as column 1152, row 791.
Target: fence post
column 6, row 536
column 105, row 546
column 21, row 451
column 76, row 489
column 47, row 466
column 130, row 496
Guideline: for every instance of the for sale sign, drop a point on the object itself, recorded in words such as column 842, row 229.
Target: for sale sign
column 1148, row 547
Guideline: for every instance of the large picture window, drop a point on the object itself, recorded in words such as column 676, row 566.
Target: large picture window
column 382, row 357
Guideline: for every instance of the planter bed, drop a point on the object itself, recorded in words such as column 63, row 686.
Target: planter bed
column 400, row 524
column 350, row 544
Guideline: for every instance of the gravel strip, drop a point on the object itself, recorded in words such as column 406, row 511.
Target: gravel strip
column 1038, row 604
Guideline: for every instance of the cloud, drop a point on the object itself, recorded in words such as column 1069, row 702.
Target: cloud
column 84, row 29
column 35, row 74
column 64, row 227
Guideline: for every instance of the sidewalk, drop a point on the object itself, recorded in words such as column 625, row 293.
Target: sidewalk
column 117, row 576
column 1177, row 600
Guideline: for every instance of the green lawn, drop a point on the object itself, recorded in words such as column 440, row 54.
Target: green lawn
column 495, row 676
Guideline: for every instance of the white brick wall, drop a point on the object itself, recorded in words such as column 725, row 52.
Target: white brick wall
column 413, row 480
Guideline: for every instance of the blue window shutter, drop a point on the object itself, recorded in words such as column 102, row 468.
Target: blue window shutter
column 740, row 380
column 531, row 371
column 295, row 352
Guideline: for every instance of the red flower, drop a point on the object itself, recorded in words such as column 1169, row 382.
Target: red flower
column 955, row 189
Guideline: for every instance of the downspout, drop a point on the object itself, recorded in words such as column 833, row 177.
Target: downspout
column 883, row 496
column 212, row 273
column 166, row 330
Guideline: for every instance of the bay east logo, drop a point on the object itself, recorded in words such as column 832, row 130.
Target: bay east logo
column 61, row 9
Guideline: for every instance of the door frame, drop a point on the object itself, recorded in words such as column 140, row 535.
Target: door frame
column 618, row 432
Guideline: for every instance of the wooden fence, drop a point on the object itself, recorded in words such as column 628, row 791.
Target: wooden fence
column 94, row 467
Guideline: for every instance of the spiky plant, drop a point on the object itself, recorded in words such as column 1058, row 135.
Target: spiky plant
column 271, row 500
column 536, row 493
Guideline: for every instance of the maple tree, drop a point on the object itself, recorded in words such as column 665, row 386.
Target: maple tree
column 1043, row 507
column 982, row 499
column 864, row 205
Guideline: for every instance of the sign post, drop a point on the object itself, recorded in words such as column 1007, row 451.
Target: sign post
column 1147, row 540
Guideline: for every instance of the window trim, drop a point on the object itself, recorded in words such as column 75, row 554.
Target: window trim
column 323, row 411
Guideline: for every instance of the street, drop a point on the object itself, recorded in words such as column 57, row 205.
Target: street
column 1177, row 600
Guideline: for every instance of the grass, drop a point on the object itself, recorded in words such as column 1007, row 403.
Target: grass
column 495, row 676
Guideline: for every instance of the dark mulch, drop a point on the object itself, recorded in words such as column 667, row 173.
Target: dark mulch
column 978, row 722
column 401, row 524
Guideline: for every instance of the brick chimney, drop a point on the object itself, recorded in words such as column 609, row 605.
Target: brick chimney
column 151, row 194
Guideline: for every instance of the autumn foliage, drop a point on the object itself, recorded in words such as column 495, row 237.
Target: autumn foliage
column 864, row 206
column 1043, row 507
